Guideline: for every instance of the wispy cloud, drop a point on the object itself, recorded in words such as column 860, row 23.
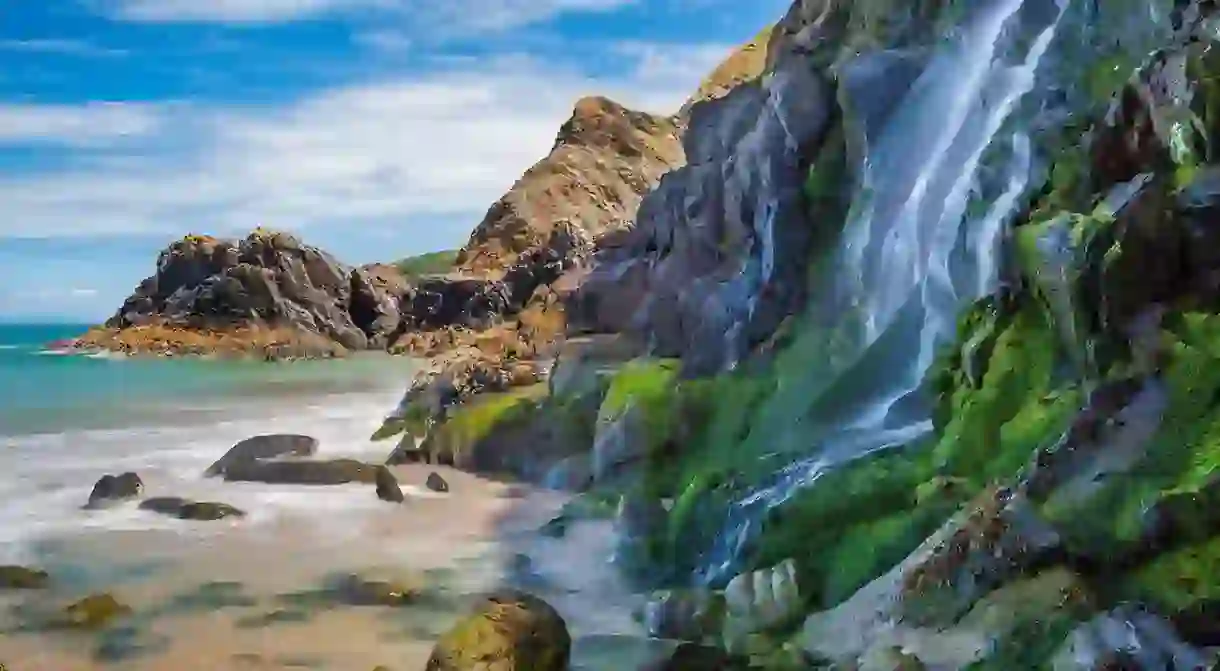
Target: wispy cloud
column 444, row 144
column 469, row 14
column 80, row 48
column 87, row 125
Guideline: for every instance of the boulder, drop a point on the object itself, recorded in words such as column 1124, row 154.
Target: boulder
column 436, row 483
column 387, row 486
column 264, row 447
column 94, row 612
column 22, row 577
column 115, row 488
column 333, row 472
column 202, row 511
column 508, row 631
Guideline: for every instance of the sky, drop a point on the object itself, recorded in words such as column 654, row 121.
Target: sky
column 375, row 129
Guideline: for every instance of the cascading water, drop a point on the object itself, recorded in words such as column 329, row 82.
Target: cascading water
column 943, row 170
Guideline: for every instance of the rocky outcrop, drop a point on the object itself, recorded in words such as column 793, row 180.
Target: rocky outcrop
column 605, row 158
column 719, row 252
column 268, row 294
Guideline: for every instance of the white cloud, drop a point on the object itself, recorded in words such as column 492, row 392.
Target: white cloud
column 381, row 154
column 87, row 125
column 62, row 47
column 477, row 14
column 230, row 11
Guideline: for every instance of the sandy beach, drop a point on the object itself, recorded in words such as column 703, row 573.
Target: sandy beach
column 236, row 595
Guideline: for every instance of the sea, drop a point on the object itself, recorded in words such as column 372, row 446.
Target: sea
column 67, row 418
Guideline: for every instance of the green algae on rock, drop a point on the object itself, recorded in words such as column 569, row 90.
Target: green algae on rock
column 508, row 631
column 94, row 612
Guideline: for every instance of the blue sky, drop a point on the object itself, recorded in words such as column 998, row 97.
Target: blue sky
column 373, row 128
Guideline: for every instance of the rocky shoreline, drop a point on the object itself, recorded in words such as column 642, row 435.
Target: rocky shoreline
column 1036, row 492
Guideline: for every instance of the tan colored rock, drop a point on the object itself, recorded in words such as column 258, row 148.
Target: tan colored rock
column 605, row 158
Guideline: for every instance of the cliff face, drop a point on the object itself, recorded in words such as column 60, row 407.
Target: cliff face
column 719, row 251
column 268, row 282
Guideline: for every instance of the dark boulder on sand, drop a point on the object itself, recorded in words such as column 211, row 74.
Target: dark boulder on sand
column 387, row 486
column 436, row 483
column 264, row 447
column 202, row 511
column 298, row 472
column 111, row 489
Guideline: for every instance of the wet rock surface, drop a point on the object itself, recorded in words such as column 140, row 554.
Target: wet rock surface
column 436, row 483
column 201, row 511
column 387, row 486
column 111, row 489
column 321, row 473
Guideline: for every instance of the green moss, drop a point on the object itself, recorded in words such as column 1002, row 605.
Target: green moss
column 427, row 264
column 476, row 420
column 1181, row 579
column 997, row 421
column 642, row 381
column 1178, row 473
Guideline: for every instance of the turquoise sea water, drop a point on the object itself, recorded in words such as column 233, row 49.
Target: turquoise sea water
column 68, row 419
column 45, row 391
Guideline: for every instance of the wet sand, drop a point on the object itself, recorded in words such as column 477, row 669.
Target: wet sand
column 244, row 594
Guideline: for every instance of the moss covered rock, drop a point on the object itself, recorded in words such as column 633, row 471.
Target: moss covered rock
column 22, row 577
column 94, row 612
column 302, row 472
column 508, row 631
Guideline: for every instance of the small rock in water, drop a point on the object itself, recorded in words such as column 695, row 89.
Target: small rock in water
column 387, row 486
column 509, row 631
column 208, row 511
column 557, row 527
column 436, row 483
column 21, row 577
column 115, row 488
column 201, row 511
column 359, row 591
column 94, row 612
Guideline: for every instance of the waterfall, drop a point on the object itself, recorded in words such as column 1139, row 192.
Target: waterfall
column 941, row 173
